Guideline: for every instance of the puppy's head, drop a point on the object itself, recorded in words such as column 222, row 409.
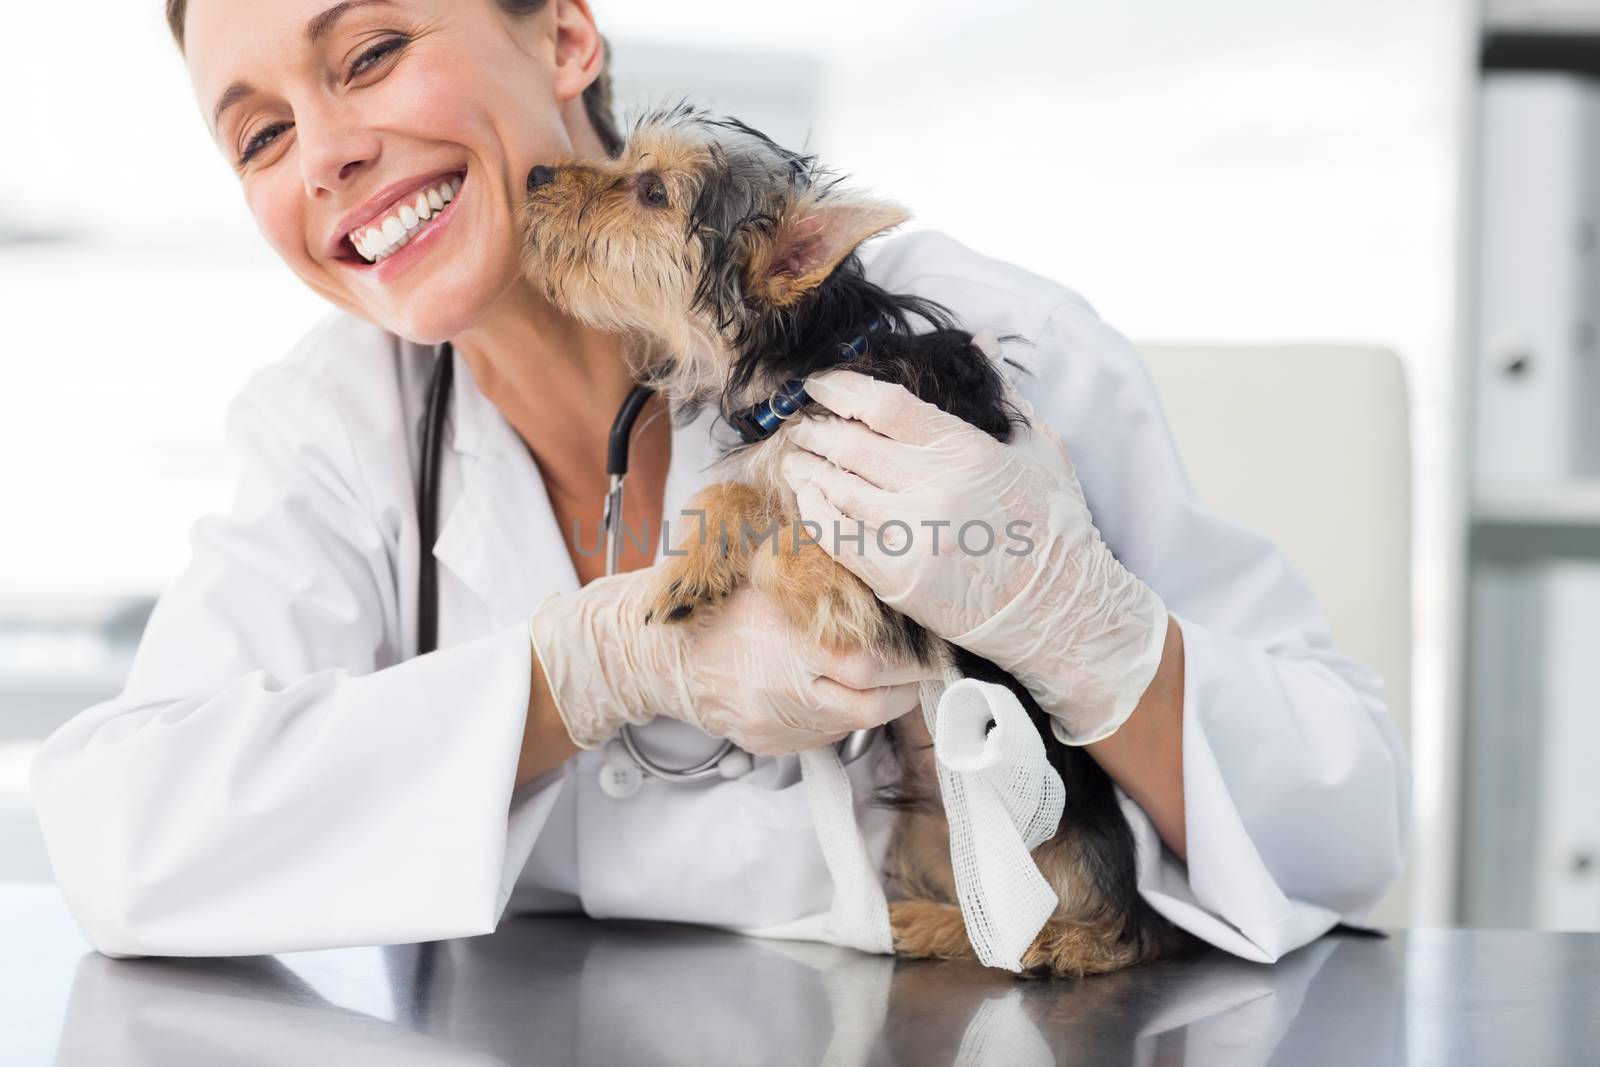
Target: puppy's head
column 698, row 236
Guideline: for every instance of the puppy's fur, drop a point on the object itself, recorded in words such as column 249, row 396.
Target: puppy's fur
column 728, row 262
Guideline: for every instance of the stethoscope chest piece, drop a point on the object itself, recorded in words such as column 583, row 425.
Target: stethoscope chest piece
column 622, row 775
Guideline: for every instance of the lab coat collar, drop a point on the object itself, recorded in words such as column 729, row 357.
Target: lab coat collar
column 501, row 537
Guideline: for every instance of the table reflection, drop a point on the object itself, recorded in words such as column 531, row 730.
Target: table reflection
column 570, row 990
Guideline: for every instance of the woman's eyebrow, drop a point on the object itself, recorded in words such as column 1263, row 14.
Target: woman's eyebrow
column 319, row 25
column 230, row 96
column 317, row 28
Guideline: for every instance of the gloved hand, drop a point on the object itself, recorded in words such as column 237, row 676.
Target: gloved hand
column 737, row 670
column 1031, row 587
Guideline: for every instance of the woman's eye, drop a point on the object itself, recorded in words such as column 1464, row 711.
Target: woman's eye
column 262, row 140
column 368, row 59
column 652, row 190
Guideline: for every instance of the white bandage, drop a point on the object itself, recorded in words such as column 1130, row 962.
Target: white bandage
column 1001, row 797
column 859, row 917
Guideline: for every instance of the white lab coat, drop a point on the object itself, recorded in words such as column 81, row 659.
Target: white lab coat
column 281, row 772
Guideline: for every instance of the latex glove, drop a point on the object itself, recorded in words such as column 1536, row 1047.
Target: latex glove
column 737, row 670
column 1047, row 601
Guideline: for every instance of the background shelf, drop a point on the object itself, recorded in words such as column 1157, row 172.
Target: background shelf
column 1553, row 17
column 1566, row 504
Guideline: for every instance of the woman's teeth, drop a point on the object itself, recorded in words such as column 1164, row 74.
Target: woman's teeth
column 384, row 238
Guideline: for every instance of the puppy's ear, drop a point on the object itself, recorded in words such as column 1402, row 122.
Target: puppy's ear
column 810, row 240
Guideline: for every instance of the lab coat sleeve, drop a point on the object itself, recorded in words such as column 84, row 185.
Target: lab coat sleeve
column 273, row 778
column 1296, row 784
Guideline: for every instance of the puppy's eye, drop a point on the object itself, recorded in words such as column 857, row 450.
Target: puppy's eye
column 652, row 190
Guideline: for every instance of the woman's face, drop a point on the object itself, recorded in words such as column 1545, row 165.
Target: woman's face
column 335, row 115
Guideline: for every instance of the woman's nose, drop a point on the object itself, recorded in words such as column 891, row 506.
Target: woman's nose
column 332, row 155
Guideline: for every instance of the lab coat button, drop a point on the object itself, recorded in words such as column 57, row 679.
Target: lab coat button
column 620, row 776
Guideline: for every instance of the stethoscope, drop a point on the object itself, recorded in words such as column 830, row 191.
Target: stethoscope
column 619, row 777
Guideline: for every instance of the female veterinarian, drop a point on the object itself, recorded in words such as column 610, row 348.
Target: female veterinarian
column 284, row 771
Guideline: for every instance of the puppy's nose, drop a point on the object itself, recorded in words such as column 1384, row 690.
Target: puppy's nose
column 540, row 175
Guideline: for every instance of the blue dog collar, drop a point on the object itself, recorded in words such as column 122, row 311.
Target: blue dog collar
column 760, row 421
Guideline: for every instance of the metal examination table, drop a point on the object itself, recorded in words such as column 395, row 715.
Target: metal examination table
column 569, row 990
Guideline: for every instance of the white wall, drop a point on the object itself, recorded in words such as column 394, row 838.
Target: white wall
column 140, row 303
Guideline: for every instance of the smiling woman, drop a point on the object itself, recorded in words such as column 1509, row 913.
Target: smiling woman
column 287, row 769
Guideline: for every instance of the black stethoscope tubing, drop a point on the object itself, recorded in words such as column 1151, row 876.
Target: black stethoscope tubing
column 438, row 404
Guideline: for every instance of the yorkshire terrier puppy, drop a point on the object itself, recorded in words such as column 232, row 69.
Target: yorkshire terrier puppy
column 729, row 264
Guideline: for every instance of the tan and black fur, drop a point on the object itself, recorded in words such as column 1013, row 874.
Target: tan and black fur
column 728, row 262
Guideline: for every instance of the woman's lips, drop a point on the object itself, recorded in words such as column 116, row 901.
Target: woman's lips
column 386, row 201
column 386, row 233
column 415, row 245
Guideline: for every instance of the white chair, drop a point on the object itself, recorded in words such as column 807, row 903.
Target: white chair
column 1311, row 446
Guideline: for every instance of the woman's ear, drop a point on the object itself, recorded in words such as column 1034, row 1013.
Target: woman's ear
column 580, row 53
column 811, row 239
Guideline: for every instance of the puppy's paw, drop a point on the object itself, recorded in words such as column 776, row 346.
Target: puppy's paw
column 1066, row 949
column 928, row 930
column 715, row 560
column 707, row 574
